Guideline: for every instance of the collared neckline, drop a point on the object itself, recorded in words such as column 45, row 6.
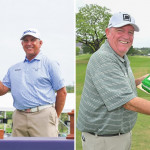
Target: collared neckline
column 123, row 60
column 38, row 57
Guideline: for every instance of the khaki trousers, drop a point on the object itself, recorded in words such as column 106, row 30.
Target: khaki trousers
column 43, row 123
column 92, row 142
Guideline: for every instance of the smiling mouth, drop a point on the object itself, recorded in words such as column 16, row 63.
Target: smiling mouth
column 124, row 42
column 29, row 48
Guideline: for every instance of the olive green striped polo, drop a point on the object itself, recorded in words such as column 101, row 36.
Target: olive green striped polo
column 109, row 84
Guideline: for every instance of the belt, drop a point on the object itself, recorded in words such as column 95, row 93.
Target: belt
column 35, row 109
column 117, row 134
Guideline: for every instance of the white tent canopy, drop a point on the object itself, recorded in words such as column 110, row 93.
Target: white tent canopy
column 6, row 103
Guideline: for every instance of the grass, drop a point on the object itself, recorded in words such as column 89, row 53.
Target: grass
column 8, row 126
column 141, row 132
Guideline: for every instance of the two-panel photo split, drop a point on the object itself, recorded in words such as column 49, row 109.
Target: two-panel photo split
column 74, row 75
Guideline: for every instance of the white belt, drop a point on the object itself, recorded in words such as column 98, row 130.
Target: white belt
column 38, row 108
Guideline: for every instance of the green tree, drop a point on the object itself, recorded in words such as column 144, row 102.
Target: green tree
column 131, row 51
column 91, row 22
column 86, row 49
column 77, row 50
column 70, row 89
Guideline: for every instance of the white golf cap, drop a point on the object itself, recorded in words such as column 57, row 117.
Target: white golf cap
column 32, row 32
column 121, row 19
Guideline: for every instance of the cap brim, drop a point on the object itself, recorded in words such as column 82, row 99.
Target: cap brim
column 136, row 28
column 29, row 34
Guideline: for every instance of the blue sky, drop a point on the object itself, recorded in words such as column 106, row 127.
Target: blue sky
column 56, row 23
column 138, row 9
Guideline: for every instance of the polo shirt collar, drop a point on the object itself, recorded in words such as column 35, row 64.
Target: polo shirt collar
column 38, row 57
column 123, row 60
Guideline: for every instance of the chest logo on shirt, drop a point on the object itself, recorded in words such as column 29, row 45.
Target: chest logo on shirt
column 17, row 69
column 36, row 69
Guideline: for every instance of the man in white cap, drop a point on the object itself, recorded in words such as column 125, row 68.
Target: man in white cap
column 109, row 102
column 33, row 83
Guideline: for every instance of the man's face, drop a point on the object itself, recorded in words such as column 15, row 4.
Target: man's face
column 120, row 39
column 31, row 46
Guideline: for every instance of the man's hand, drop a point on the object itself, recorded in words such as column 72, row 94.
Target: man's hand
column 139, row 80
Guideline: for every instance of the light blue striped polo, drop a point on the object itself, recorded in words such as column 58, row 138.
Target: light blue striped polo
column 34, row 82
column 109, row 84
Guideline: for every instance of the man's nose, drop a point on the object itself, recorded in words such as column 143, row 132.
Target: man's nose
column 127, row 35
column 29, row 42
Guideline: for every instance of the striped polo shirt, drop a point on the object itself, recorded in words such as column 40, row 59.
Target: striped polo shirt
column 109, row 84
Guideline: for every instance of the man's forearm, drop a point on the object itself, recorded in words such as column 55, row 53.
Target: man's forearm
column 60, row 100
column 3, row 89
column 138, row 104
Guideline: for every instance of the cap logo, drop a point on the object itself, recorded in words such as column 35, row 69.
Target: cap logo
column 29, row 31
column 126, row 17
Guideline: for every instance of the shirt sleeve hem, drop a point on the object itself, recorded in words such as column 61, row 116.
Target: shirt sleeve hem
column 120, row 103
column 6, row 85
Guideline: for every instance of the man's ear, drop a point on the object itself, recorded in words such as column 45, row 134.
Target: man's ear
column 41, row 42
column 107, row 32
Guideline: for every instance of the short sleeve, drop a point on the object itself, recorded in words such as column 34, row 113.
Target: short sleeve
column 6, row 80
column 57, row 79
